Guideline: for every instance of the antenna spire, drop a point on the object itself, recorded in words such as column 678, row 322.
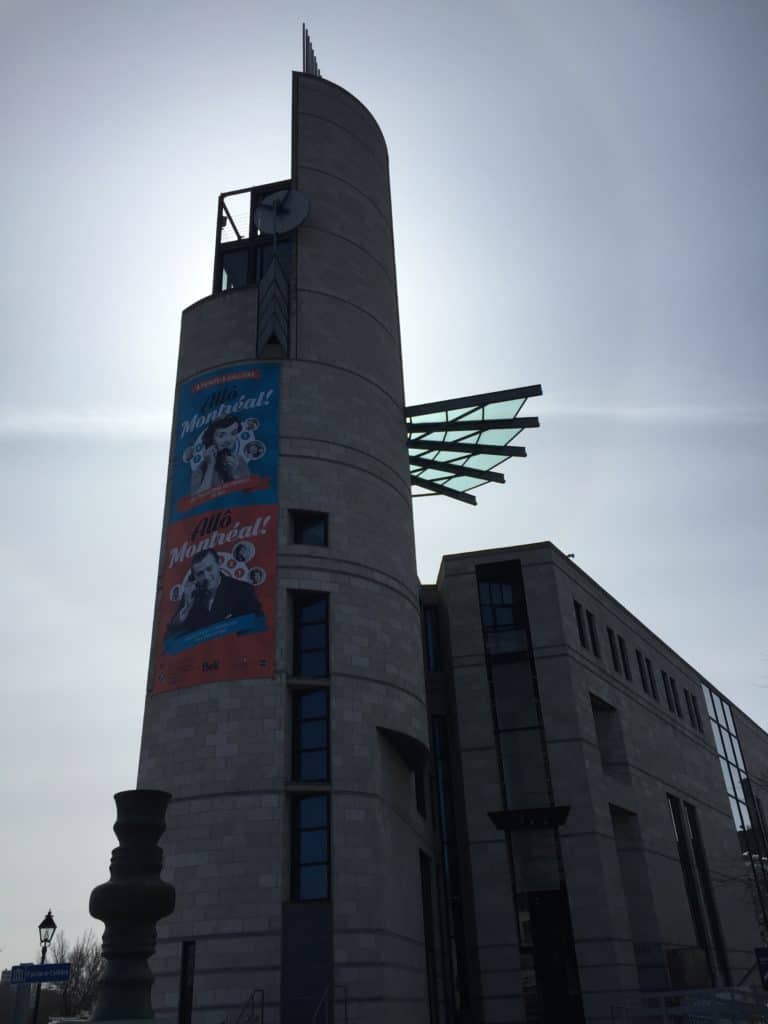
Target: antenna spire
column 309, row 61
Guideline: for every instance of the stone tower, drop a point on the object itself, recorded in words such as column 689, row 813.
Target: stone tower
column 286, row 708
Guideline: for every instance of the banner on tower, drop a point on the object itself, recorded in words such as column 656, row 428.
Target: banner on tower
column 215, row 614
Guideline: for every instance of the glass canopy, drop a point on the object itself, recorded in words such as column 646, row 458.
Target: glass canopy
column 454, row 446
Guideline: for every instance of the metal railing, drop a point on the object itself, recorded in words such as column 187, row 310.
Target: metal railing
column 695, row 1006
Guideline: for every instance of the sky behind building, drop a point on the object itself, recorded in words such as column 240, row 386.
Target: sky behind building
column 580, row 199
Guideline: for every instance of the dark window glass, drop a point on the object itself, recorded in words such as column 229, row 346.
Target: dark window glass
column 667, row 691
column 234, row 269
column 429, row 936
column 689, row 705
column 186, row 981
column 310, row 736
column 310, row 634
column 310, row 868
column 705, row 881
column 310, row 528
column 651, row 678
column 641, row 669
column 696, row 715
column 624, row 659
column 580, row 623
column 502, row 614
column 431, row 626
column 524, row 768
column 675, row 696
column 313, row 811
column 593, row 634
column 614, row 649
column 513, row 694
column 689, row 878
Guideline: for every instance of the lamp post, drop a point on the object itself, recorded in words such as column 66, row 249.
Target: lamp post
column 46, row 928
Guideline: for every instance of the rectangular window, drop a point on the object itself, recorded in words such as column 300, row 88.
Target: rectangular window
column 310, row 735
column 429, row 935
column 310, row 849
column 641, row 669
column 310, row 634
column 186, row 982
column 689, row 879
column 624, row 659
column 689, row 705
column 309, row 528
column 696, row 715
column 675, row 697
column 502, row 614
column 430, row 621
column 234, row 269
column 593, row 634
column 651, row 678
column 705, row 881
column 667, row 691
column 580, row 623
column 614, row 649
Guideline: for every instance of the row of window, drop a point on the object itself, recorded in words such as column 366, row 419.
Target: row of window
column 588, row 637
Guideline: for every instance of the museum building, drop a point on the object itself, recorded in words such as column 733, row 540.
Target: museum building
column 499, row 798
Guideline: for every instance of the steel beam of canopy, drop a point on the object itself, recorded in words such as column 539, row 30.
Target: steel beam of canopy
column 429, row 485
column 472, row 426
column 471, row 401
column 506, row 451
column 456, row 469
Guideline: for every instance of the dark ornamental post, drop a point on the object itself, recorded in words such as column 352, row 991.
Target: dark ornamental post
column 130, row 904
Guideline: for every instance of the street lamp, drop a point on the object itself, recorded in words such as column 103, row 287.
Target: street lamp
column 46, row 928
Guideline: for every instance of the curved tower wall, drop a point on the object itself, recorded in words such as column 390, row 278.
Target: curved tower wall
column 223, row 749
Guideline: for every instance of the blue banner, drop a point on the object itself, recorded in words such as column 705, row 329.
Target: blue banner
column 226, row 444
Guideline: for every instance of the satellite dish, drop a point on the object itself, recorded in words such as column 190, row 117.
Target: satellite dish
column 280, row 212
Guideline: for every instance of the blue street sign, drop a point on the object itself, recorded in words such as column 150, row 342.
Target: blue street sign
column 31, row 974
column 762, row 964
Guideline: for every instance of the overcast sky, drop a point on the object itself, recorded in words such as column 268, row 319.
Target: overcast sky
column 580, row 193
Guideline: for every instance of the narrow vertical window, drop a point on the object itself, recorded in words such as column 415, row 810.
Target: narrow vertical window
column 580, row 623
column 705, row 881
column 310, row 856
column 689, row 879
column 431, row 628
column 614, row 649
column 667, row 691
column 310, row 736
column 186, row 982
column 429, row 935
column 593, row 634
column 689, row 706
column 651, row 678
column 310, row 634
column 641, row 670
column 696, row 715
column 624, row 659
column 675, row 696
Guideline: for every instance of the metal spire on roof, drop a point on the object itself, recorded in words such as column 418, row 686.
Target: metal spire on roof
column 309, row 61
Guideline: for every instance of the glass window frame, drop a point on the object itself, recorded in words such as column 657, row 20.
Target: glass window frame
column 579, row 613
column 298, row 719
column 614, row 649
column 306, row 519
column 592, row 627
column 301, row 599
column 297, row 830
column 625, row 659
